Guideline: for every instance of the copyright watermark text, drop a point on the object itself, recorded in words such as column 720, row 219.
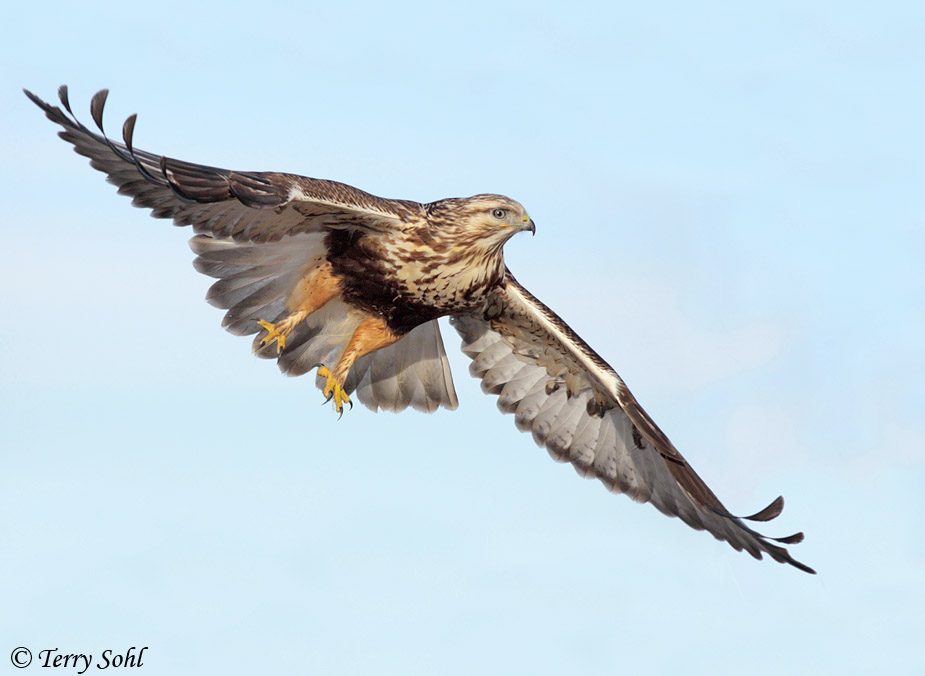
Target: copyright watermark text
column 54, row 658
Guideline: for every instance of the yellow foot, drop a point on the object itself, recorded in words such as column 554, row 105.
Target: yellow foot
column 281, row 329
column 334, row 390
column 273, row 333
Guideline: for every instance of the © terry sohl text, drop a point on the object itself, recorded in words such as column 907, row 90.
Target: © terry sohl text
column 131, row 658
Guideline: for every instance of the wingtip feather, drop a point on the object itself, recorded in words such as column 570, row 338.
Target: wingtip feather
column 770, row 512
column 32, row 97
column 128, row 131
column 97, row 103
column 794, row 539
column 63, row 97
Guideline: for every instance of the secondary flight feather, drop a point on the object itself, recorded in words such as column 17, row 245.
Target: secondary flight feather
column 330, row 278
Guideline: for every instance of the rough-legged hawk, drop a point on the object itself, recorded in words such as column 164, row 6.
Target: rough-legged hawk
column 332, row 278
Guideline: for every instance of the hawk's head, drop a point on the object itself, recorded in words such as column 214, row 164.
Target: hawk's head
column 481, row 221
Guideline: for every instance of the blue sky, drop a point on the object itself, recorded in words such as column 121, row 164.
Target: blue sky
column 729, row 207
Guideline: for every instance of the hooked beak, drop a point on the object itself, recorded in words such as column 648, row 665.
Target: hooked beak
column 529, row 225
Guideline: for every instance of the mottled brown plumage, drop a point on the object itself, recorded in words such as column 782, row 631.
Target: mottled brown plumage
column 325, row 273
column 443, row 261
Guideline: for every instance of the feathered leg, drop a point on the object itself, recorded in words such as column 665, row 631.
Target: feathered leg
column 372, row 334
column 311, row 292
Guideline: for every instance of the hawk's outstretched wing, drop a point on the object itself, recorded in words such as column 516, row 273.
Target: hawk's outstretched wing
column 246, row 206
column 258, row 233
column 582, row 412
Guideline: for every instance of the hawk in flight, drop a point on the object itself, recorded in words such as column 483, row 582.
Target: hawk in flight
column 332, row 278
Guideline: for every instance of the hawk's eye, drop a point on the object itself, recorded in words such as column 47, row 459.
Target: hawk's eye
column 499, row 213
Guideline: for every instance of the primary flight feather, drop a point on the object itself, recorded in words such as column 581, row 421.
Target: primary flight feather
column 332, row 278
